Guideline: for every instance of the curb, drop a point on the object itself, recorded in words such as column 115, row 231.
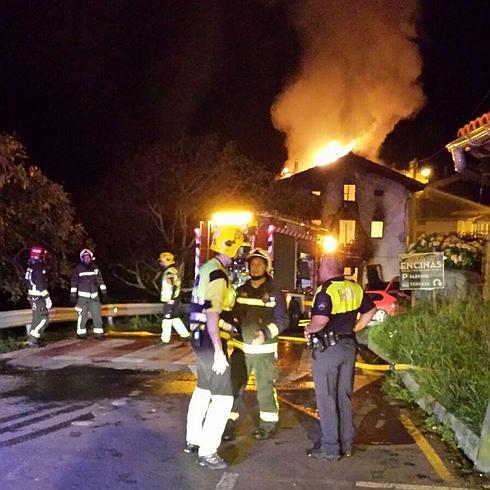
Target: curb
column 477, row 449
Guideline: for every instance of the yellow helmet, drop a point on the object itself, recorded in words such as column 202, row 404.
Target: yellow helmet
column 167, row 258
column 227, row 240
column 262, row 254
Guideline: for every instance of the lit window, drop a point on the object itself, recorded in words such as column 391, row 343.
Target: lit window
column 347, row 231
column 377, row 229
column 349, row 192
column 316, row 193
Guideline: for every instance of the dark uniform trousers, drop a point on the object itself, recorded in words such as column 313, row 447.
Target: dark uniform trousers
column 84, row 307
column 265, row 370
column 40, row 316
column 333, row 376
column 217, row 384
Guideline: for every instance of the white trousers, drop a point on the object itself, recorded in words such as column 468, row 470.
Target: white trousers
column 206, row 420
column 179, row 326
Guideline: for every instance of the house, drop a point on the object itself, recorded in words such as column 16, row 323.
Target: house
column 368, row 207
column 437, row 211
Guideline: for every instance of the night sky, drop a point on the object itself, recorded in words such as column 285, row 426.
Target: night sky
column 84, row 83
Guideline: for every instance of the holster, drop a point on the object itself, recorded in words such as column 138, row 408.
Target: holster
column 196, row 332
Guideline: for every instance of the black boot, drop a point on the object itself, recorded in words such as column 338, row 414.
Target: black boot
column 229, row 432
column 261, row 434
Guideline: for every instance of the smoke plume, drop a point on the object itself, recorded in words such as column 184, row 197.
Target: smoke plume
column 358, row 78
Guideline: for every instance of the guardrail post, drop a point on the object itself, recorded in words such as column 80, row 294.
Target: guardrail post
column 483, row 459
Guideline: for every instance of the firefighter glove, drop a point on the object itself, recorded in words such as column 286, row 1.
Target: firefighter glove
column 49, row 303
column 220, row 363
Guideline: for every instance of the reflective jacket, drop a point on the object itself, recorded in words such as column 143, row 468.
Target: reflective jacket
column 36, row 282
column 170, row 284
column 86, row 280
column 260, row 309
column 210, row 292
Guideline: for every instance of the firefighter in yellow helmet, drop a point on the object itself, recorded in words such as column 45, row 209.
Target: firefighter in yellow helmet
column 170, row 297
column 212, row 399
column 261, row 314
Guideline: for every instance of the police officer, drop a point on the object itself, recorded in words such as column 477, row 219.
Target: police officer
column 261, row 314
column 170, row 297
column 37, row 294
column 212, row 398
column 86, row 280
column 334, row 322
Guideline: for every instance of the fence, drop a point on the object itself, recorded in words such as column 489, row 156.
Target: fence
column 21, row 318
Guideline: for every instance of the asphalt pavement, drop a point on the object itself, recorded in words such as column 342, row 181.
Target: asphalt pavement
column 111, row 414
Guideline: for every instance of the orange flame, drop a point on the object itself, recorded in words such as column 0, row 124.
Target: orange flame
column 332, row 151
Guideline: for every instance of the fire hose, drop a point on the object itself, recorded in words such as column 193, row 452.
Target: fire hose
column 363, row 365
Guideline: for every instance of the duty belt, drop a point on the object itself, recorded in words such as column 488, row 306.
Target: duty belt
column 339, row 336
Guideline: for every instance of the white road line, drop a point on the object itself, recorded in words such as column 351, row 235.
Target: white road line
column 44, row 424
column 227, row 481
column 404, row 486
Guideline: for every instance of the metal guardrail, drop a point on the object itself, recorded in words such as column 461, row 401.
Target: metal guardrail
column 21, row 318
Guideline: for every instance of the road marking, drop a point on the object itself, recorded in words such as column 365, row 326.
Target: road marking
column 44, row 424
column 404, row 486
column 428, row 451
column 227, row 481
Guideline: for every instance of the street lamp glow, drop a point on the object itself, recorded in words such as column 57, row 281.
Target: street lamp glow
column 331, row 152
column 329, row 244
column 238, row 218
column 426, row 172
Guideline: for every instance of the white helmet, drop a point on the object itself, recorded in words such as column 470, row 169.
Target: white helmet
column 264, row 255
column 86, row 251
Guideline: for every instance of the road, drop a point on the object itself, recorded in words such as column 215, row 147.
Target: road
column 111, row 414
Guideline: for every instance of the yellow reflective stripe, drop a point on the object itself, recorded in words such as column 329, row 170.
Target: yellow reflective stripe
column 224, row 335
column 273, row 329
column 256, row 302
column 83, row 294
column 346, row 296
column 254, row 349
column 269, row 416
column 36, row 292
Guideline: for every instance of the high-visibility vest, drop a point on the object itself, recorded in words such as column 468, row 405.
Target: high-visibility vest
column 170, row 284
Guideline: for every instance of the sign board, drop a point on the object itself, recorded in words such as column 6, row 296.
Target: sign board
column 422, row 271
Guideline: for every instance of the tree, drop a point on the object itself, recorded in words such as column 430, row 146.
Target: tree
column 158, row 197
column 33, row 209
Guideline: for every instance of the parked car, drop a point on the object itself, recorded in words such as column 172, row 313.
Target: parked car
column 389, row 300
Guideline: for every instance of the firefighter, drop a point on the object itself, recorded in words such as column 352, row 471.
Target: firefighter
column 334, row 321
column 212, row 399
column 170, row 297
column 86, row 280
column 37, row 294
column 261, row 314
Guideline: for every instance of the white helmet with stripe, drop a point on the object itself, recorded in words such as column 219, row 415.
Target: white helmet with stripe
column 86, row 251
column 264, row 255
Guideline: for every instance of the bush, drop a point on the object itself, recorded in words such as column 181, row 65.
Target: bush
column 451, row 340
column 145, row 323
column 8, row 344
column 461, row 250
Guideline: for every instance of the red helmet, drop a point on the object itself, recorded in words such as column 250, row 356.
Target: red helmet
column 38, row 253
